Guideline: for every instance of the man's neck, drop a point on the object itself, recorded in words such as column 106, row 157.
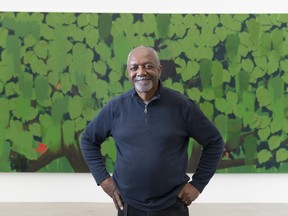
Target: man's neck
column 147, row 96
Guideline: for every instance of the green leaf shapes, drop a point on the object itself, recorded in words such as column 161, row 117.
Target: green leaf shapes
column 221, row 122
column 100, row 67
column 222, row 106
column 177, row 87
column 232, row 45
column 205, row 73
column 263, row 97
column 208, row 38
column 105, row 25
column 264, row 20
column 80, row 124
column 104, row 51
column 42, row 88
column 221, row 33
column 273, row 62
column 264, row 156
column 207, row 109
column 213, row 20
column 1, row 88
column 59, row 107
column 163, row 24
column 264, row 133
column 37, row 65
column 217, row 71
column 6, row 67
column 242, row 82
column 75, row 106
column 90, row 79
column 194, row 94
column 208, row 94
column 3, row 36
column 257, row 73
column 58, row 50
column 11, row 89
column 274, row 142
column 102, row 88
column 4, row 114
column 109, row 151
column 191, row 70
column 58, row 19
column 82, row 20
column 230, row 23
column 282, row 155
column 250, row 146
column 41, row 49
column 265, row 43
column 23, row 143
column 176, row 22
column 253, row 28
column 234, row 131
column 149, row 24
column 91, row 35
column 247, row 65
column 52, row 137
column 277, row 38
column 35, row 129
column 276, row 89
column 68, row 129
column 65, row 83
column 24, row 110
column 13, row 45
column 82, row 59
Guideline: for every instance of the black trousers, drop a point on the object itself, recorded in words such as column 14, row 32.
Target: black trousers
column 177, row 209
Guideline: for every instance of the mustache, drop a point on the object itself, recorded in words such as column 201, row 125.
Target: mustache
column 139, row 78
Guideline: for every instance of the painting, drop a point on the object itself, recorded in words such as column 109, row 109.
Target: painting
column 57, row 70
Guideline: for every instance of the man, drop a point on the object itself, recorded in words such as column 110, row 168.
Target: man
column 151, row 126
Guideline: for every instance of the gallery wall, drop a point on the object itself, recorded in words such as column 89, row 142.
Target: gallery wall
column 32, row 186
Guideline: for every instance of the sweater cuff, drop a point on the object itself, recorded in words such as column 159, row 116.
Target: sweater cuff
column 198, row 186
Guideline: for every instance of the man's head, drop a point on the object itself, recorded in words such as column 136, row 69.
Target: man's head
column 144, row 69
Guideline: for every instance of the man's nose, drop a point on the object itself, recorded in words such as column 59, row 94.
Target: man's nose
column 141, row 70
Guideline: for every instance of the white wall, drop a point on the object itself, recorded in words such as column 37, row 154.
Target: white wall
column 239, row 188
column 223, row 188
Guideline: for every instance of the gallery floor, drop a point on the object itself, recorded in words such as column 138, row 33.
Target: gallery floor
column 107, row 209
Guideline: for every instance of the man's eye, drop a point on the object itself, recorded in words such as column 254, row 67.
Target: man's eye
column 149, row 66
column 134, row 68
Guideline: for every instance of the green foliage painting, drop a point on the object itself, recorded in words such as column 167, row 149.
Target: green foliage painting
column 58, row 69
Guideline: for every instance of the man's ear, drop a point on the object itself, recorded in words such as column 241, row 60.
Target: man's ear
column 160, row 70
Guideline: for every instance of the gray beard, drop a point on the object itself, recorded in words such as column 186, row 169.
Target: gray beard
column 143, row 88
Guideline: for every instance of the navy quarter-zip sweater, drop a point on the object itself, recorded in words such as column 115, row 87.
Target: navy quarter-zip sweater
column 151, row 142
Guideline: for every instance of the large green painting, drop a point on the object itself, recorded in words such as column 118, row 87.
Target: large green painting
column 58, row 69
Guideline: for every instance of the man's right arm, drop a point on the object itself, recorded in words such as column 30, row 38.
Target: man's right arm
column 96, row 132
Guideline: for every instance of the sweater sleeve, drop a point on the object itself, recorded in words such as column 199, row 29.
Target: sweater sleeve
column 202, row 130
column 96, row 132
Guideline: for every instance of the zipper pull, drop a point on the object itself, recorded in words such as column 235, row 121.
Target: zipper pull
column 145, row 110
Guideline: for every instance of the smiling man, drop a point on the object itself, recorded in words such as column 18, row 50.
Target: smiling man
column 151, row 126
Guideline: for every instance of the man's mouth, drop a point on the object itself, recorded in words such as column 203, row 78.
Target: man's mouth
column 141, row 79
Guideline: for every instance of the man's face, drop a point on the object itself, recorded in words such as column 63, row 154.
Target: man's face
column 143, row 70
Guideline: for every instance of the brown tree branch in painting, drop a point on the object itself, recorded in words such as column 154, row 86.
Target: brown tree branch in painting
column 72, row 152
column 20, row 163
column 75, row 159
column 196, row 153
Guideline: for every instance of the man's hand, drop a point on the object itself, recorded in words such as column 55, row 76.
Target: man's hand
column 108, row 186
column 188, row 194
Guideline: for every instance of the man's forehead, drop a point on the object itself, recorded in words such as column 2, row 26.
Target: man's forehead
column 140, row 56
